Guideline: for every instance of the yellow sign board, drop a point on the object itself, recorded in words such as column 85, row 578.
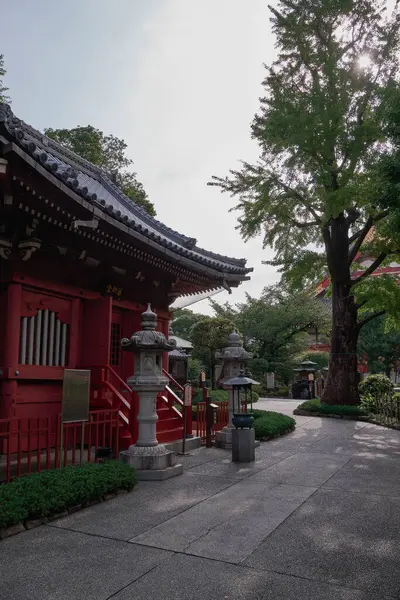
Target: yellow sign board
column 76, row 394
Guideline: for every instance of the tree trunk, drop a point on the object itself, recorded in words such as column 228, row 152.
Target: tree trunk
column 341, row 385
column 342, row 382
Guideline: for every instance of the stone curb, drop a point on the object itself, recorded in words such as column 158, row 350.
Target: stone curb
column 304, row 413
column 32, row 523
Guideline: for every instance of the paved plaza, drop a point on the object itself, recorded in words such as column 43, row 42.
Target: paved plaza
column 315, row 517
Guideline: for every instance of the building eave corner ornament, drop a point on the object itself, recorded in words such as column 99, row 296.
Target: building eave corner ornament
column 5, row 248
column 148, row 338
column 3, row 166
column 28, row 247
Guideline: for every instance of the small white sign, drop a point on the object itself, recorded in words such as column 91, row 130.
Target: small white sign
column 188, row 395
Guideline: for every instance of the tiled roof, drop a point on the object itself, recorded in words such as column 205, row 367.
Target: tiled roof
column 95, row 185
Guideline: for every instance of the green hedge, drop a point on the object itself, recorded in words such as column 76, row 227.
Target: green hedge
column 315, row 406
column 269, row 424
column 218, row 396
column 52, row 492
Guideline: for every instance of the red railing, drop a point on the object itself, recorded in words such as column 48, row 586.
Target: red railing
column 36, row 444
column 221, row 417
column 171, row 398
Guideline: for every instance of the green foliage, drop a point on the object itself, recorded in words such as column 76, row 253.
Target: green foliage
column 51, row 492
column 183, row 321
column 380, row 347
column 3, row 96
column 321, row 358
column 274, row 328
column 107, row 152
column 194, row 369
column 315, row 406
column 268, row 424
column 209, row 335
column 377, row 386
column 319, row 128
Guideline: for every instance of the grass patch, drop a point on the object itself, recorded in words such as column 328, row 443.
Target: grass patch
column 52, row 492
column 269, row 424
column 342, row 410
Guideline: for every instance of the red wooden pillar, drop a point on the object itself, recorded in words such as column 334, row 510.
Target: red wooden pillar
column 11, row 349
column 164, row 328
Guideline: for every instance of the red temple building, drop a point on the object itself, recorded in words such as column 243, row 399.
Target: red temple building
column 79, row 261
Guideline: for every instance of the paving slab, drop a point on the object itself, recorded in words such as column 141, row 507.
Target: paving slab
column 48, row 564
column 336, row 446
column 310, row 470
column 148, row 505
column 191, row 578
column 227, row 469
column 180, row 531
column 379, row 442
column 345, row 539
column 234, row 539
column 202, row 455
column 368, row 474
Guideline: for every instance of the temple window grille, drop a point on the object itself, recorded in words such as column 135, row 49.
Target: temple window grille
column 44, row 340
column 115, row 346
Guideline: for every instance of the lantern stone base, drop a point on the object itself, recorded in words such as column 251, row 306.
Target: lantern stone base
column 152, row 463
column 243, row 445
column 223, row 439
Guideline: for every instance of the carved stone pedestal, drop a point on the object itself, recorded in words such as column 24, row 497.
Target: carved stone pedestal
column 223, row 438
column 153, row 463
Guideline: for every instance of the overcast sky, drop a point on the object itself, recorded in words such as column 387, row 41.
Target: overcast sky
column 179, row 80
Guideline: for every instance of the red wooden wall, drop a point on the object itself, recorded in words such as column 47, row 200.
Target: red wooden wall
column 34, row 390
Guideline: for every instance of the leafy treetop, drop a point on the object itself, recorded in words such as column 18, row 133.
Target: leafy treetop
column 321, row 131
column 107, row 152
column 3, row 89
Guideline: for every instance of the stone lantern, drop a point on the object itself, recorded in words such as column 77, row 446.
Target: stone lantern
column 234, row 359
column 151, row 459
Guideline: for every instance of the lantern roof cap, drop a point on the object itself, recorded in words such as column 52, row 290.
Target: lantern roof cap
column 241, row 380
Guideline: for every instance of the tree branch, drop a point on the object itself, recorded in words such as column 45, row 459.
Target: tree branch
column 370, row 269
column 361, row 235
column 305, row 224
column 353, row 216
column 296, row 194
column 374, row 315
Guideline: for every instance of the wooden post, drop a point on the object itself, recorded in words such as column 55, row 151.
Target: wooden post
column 209, row 416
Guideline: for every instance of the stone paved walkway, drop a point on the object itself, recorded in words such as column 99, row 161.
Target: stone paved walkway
column 316, row 517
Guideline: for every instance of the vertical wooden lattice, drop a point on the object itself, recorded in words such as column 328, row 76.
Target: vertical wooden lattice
column 44, row 340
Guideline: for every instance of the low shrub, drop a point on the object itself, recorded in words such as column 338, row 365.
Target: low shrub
column 269, row 424
column 51, row 492
column 376, row 385
column 311, row 405
column 315, row 406
column 283, row 392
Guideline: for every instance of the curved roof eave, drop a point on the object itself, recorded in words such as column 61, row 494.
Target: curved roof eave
column 84, row 181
